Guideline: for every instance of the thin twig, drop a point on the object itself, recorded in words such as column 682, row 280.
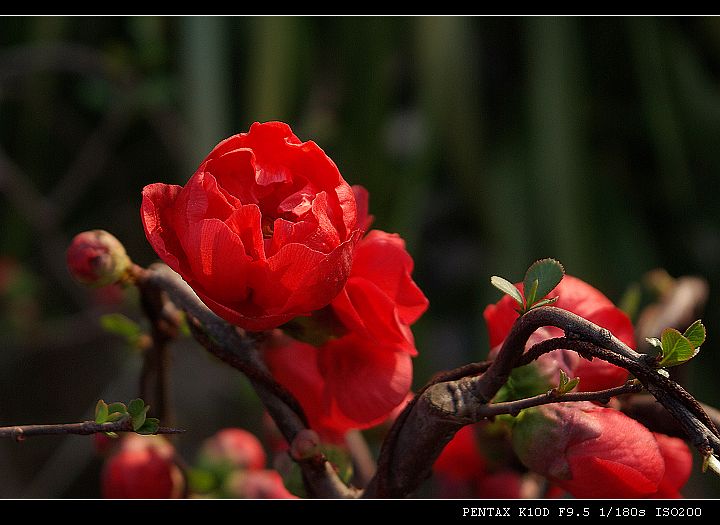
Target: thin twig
column 363, row 462
column 20, row 432
column 514, row 407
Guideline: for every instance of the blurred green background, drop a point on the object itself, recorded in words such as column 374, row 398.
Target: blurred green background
column 486, row 142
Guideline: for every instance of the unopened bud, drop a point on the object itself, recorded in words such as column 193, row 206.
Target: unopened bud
column 305, row 445
column 97, row 258
column 233, row 448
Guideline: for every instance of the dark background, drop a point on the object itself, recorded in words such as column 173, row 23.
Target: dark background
column 486, row 142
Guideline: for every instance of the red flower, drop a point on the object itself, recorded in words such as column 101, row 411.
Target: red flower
column 678, row 464
column 597, row 452
column 263, row 231
column 233, row 448
column 580, row 298
column 357, row 379
column 143, row 468
column 461, row 471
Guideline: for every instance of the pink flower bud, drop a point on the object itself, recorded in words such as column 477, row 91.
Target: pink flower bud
column 233, row 448
column 590, row 451
column 142, row 470
column 97, row 258
column 257, row 484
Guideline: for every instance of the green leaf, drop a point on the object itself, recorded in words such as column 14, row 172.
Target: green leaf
column 122, row 326
column 116, row 416
column 507, row 287
column 135, row 407
column 544, row 302
column 530, row 294
column 112, row 435
column 117, row 407
column 566, row 384
column 571, row 384
column 548, row 273
column 696, row 333
column 101, row 412
column 150, row 426
column 676, row 348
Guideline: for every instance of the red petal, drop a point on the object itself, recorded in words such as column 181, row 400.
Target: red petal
column 218, row 260
column 157, row 202
column 362, row 198
column 381, row 258
column 678, row 465
column 461, row 458
column 367, row 380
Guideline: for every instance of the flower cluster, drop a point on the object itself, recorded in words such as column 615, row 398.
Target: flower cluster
column 583, row 448
column 267, row 232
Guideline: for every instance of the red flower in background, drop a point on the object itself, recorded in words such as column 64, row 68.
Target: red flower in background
column 357, row 379
column 598, row 452
column 263, row 231
column 461, row 471
column 143, row 468
column 580, row 298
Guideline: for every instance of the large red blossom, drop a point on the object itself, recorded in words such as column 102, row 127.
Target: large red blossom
column 357, row 379
column 580, row 298
column 597, row 452
column 263, row 231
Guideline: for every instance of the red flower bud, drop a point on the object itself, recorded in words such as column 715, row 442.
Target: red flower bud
column 233, row 448
column 143, row 468
column 591, row 451
column 257, row 484
column 97, row 258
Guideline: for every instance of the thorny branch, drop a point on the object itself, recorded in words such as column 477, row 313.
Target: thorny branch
column 19, row 433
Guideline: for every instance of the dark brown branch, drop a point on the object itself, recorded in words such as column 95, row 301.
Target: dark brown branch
column 165, row 321
column 514, row 407
column 441, row 409
column 19, row 433
column 240, row 349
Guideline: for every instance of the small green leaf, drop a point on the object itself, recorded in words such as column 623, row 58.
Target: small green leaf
column 566, row 384
column 696, row 333
column 563, row 378
column 571, row 384
column 115, row 416
column 654, row 341
column 150, row 426
column 117, row 407
column 548, row 273
column 676, row 348
column 122, row 326
column 135, row 407
column 139, row 420
column 530, row 292
column 544, row 302
column 112, row 435
column 507, row 287
column 101, row 412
